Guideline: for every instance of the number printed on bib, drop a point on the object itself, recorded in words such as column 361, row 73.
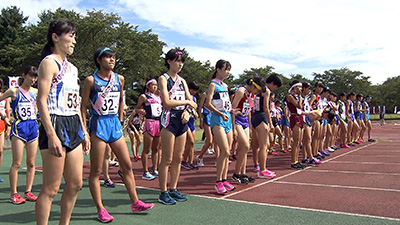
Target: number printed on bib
column 156, row 110
column 246, row 109
column 26, row 111
column 178, row 96
column 110, row 104
column 257, row 104
column 71, row 96
column 226, row 102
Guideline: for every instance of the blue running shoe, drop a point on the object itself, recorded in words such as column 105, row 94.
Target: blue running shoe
column 1, row 179
column 326, row 153
column 166, row 199
column 148, row 176
column 155, row 173
column 178, row 196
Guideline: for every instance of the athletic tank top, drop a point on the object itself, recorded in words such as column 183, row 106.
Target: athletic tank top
column 292, row 108
column 110, row 105
column 246, row 103
column 220, row 99
column 3, row 105
column 306, row 104
column 273, row 110
column 63, row 98
column 176, row 90
column 368, row 109
column 22, row 108
column 351, row 107
column 153, row 106
column 137, row 119
column 258, row 103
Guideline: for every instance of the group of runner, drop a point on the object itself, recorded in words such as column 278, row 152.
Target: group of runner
column 165, row 112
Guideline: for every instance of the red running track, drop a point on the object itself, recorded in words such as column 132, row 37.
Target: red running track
column 361, row 180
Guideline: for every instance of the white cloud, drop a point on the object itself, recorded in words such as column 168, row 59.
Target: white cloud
column 329, row 33
column 292, row 36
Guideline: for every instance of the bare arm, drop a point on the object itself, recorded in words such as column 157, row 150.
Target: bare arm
column 121, row 99
column 88, row 85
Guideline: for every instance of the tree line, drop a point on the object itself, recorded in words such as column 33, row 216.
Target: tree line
column 140, row 56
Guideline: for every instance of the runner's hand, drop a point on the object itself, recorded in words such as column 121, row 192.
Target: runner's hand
column 55, row 146
column 86, row 144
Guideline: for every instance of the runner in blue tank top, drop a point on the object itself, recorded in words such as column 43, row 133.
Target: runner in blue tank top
column 24, row 132
column 221, row 124
column 105, row 90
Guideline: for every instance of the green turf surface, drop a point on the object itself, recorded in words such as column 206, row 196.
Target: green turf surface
column 197, row 210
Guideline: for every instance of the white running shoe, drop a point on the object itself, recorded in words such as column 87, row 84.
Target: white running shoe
column 200, row 162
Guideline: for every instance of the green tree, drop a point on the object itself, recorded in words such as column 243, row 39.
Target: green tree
column 12, row 33
column 344, row 80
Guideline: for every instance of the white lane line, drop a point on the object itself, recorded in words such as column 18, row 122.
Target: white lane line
column 338, row 186
column 292, row 173
column 355, row 172
column 366, row 163
column 299, row 208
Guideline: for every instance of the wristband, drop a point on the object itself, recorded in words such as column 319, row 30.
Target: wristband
column 85, row 133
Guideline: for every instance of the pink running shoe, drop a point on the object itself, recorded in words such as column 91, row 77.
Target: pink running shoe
column 266, row 175
column 29, row 196
column 316, row 161
column 269, row 171
column 346, row 146
column 103, row 216
column 284, row 151
column 220, row 188
column 273, row 153
column 140, row 206
column 228, row 186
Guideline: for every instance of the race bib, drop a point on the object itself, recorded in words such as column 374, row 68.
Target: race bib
column 178, row 96
column 26, row 111
column 3, row 106
column 156, row 110
column 226, row 102
column 71, row 96
column 110, row 104
column 137, row 120
column 257, row 104
column 246, row 109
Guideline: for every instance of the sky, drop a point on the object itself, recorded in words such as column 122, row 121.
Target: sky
column 295, row 37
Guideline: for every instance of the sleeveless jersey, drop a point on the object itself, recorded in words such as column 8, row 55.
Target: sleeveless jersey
column 258, row 103
column 246, row 103
column 63, row 98
column 153, row 106
column 220, row 99
column 176, row 90
column 351, row 107
column 3, row 105
column 22, row 108
column 292, row 108
column 110, row 105
column 368, row 109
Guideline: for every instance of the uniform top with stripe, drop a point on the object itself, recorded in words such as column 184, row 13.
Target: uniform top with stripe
column 63, row 98
column 258, row 103
column 366, row 107
column 246, row 103
column 153, row 106
column 351, row 107
column 22, row 108
column 342, row 110
column 220, row 99
column 176, row 91
column 110, row 105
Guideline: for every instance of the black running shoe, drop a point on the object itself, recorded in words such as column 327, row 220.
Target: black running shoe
column 239, row 179
column 371, row 140
column 121, row 175
column 249, row 179
column 297, row 166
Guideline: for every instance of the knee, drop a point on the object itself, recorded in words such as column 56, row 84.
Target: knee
column 30, row 164
column 74, row 186
column 95, row 172
column 16, row 165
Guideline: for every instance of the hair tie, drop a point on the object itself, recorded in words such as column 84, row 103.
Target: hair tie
column 102, row 51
